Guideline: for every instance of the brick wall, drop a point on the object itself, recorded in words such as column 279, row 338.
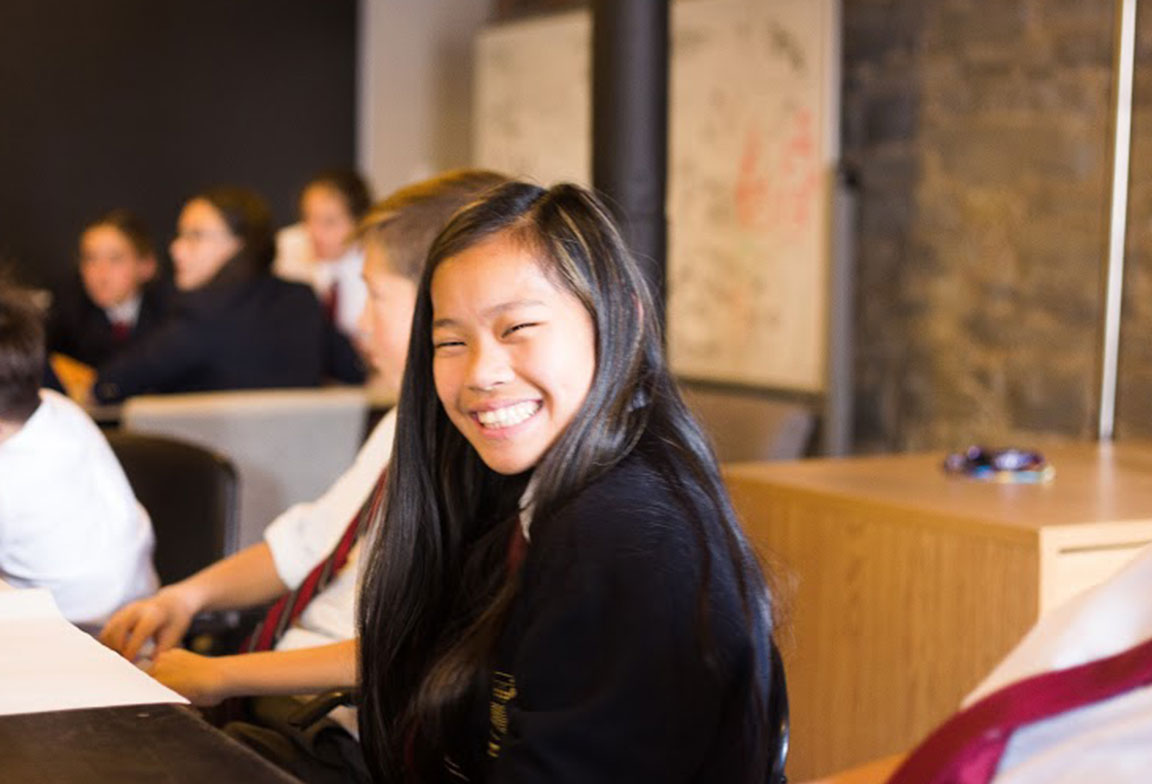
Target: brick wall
column 979, row 130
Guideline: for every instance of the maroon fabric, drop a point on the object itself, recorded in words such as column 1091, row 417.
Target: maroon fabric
column 967, row 748
column 287, row 609
column 121, row 331
column 517, row 547
column 332, row 302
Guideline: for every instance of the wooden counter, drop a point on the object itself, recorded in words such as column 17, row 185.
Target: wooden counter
column 905, row 586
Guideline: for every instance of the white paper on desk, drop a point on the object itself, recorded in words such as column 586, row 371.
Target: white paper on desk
column 47, row 664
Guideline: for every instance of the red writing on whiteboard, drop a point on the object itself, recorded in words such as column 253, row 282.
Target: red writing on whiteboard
column 777, row 182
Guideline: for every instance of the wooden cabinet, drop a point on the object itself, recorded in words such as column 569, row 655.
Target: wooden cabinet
column 902, row 587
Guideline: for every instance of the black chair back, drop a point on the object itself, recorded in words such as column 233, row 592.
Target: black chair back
column 190, row 493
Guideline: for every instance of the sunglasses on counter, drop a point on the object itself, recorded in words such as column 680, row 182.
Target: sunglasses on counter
column 1007, row 464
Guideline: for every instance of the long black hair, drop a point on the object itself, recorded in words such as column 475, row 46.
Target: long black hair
column 436, row 590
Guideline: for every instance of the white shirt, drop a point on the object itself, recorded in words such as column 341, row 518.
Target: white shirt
column 295, row 260
column 305, row 534
column 69, row 521
column 126, row 312
column 1108, row 741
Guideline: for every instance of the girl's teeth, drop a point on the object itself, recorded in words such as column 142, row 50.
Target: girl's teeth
column 509, row 415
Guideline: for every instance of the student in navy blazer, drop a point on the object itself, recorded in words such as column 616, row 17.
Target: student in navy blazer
column 116, row 300
column 233, row 325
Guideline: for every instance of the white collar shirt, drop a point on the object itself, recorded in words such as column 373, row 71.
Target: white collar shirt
column 295, row 260
column 126, row 312
column 69, row 521
column 305, row 534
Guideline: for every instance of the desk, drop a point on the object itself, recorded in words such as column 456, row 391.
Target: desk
column 168, row 743
column 907, row 586
column 106, row 416
column 70, row 711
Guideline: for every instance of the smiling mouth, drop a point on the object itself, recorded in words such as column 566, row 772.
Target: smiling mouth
column 508, row 416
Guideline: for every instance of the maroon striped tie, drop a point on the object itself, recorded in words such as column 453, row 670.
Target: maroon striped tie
column 967, row 748
column 287, row 609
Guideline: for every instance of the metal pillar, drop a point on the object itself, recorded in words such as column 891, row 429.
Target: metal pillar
column 630, row 126
column 1118, row 213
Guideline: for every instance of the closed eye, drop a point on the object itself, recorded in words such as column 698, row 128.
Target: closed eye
column 519, row 327
column 439, row 344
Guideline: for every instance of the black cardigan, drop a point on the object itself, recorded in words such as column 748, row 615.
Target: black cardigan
column 81, row 329
column 258, row 332
column 601, row 672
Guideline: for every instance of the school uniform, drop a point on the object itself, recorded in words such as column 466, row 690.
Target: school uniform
column 600, row 673
column 69, row 521
column 81, row 329
column 248, row 333
column 306, row 533
column 302, row 540
column 338, row 283
column 340, row 288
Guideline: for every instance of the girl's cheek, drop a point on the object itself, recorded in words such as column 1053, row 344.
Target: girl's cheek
column 441, row 381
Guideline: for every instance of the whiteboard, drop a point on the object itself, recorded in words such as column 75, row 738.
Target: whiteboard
column 753, row 144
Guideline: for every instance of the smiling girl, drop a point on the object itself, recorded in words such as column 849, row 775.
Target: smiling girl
column 560, row 590
column 118, row 301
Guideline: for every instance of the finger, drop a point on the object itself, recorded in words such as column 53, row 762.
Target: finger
column 141, row 633
column 114, row 631
column 110, row 634
column 169, row 636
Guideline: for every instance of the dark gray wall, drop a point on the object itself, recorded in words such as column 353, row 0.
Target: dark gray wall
column 138, row 103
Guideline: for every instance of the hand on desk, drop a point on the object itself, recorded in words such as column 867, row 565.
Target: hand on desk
column 202, row 679
column 164, row 618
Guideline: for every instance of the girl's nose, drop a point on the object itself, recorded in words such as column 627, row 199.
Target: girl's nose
column 489, row 368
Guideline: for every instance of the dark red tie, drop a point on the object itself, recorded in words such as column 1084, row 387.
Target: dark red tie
column 332, row 302
column 967, row 748
column 287, row 609
column 517, row 547
column 121, row 331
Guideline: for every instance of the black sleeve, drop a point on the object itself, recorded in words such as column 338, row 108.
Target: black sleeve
column 156, row 364
column 51, row 380
column 610, row 678
column 342, row 360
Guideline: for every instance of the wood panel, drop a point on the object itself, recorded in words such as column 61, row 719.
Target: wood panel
column 889, row 623
column 903, row 588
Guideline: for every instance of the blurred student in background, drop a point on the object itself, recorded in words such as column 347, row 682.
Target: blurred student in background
column 69, row 521
column 233, row 325
column 119, row 300
column 322, row 251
